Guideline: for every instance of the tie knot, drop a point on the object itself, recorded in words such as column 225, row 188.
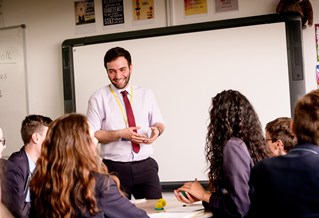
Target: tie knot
column 124, row 93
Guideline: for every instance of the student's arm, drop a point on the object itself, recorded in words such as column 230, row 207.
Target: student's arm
column 233, row 200
column 113, row 204
column 237, row 165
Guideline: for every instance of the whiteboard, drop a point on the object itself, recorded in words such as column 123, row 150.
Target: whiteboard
column 186, row 66
column 185, row 71
column 13, row 86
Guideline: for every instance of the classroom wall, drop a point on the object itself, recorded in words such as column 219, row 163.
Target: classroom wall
column 49, row 23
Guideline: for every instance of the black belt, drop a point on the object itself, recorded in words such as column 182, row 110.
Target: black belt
column 130, row 162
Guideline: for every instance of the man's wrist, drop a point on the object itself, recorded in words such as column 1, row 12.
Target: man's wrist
column 120, row 136
column 159, row 130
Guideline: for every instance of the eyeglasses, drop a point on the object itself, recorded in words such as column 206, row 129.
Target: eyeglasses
column 3, row 141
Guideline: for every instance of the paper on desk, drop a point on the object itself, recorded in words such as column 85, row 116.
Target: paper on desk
column 137, row 201
column 186, row 208
column 176, row 215
column 166, row 215
column 187, row 211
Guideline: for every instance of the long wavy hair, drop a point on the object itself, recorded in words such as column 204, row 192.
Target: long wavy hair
column 62, row 182
column 231, row 115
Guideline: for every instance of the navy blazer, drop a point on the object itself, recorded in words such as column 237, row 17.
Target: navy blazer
column 287, row 186
column 110, row 201
column 16, row 180
column 9, row 187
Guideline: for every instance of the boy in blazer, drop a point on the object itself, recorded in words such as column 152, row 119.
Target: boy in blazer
column 288, row 185
column 33, row 133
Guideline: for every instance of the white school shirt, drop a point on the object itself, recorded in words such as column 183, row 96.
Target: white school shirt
column 104, row 113
column 31, row 168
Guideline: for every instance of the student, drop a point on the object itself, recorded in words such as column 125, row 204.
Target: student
column 279, row 138
column 126, row 144
column 4, row 212
column 70, row 179
column 288, row 185
column 33, row 132
column 234, row 143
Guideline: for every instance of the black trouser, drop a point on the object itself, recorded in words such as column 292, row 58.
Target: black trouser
column 138, row 178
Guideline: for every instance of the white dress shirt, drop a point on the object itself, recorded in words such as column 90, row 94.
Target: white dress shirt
column 104, row 113
column 31, row 168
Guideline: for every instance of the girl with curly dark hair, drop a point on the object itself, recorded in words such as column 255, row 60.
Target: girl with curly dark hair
column 234, row 144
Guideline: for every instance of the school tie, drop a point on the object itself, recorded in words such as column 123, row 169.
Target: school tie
column 130, row 119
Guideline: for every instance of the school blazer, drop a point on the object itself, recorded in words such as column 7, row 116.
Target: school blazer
column 7, row 185
column 111, row 203
column 21, row 174
column 287, row 186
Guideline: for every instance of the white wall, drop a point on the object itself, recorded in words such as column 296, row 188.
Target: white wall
column 49, row 23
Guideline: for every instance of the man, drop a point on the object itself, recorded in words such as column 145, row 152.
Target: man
column 279, row 138
column 288, row 185
column 33, row 131
column 126, row 144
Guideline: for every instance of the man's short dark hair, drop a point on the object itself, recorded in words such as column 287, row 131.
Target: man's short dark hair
column 116, row 52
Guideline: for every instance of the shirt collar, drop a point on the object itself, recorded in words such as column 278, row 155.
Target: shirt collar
column 31, row 163
column 118, row 91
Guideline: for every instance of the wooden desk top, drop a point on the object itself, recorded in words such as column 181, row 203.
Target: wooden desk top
column 173, row 209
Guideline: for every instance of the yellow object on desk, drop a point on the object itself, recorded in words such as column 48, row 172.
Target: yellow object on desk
column 160, row 204
column 173, row 209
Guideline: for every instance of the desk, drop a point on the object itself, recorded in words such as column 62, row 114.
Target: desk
column 173, row 209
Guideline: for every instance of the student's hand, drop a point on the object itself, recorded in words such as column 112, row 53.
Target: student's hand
column 180, row 197
column 194, row 192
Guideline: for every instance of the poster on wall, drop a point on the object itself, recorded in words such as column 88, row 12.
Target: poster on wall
column 317, row 51
column 143, row 12
column 226, row 5
column 113, row 13
column 84, row 16
column 195, row 7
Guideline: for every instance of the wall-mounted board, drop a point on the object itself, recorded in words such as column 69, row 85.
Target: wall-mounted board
column 186, row 66
column 13, row 85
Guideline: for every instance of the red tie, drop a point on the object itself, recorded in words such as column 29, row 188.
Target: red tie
column 130, row 119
